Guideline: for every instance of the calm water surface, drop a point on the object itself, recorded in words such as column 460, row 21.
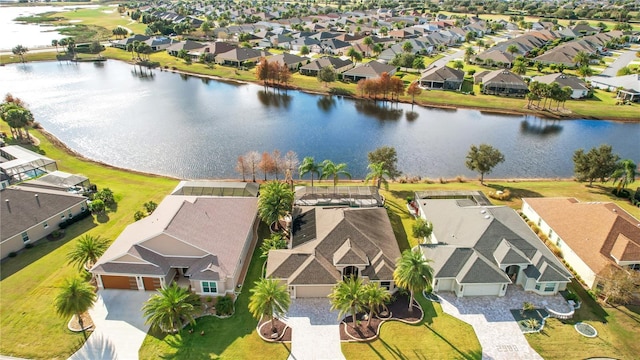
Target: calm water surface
column 192, row 128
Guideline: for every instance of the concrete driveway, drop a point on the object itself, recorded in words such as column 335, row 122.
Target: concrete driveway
column 625, row 58
column 495, row 327
column 119, row 326
column 316, row 334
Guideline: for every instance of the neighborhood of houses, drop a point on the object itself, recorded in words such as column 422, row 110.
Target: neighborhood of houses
column 331, row 38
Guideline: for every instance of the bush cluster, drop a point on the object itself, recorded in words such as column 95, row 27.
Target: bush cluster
column 71, row 220
column 505, row 195
column 224, row 305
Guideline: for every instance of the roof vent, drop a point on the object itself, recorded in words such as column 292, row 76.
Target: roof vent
column 487, row 217
column 614, row 210
column 483, row 211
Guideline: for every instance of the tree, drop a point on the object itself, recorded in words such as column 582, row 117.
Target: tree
column 75, row 297
column 290, row 164
column 276, row 201
column 269, row 297
column 619, row 285
column 348, row 296
column 519, row 67
column 330, row 169
column 171, row 308
column 388, row 156
column 326, row 75
column 512, row 49
column 585, row 71
column 150, row 207
column 20, row 51
column 374, row 298
column 368, row 41
column 625, row 174
column 412, row 273
column 304, row 50
column 352, row 53
column 275, row 242
column 54, row 42
column 241, row 167
column 309, row 165
column 458, row 64
column 483, row 159
column 598, row 163
column 414, row 90
column 138, row 215
column 582, row 59
column 252, row 159
column 95, row 47
column 97, row 206
column 377, row 174
column 421, row 228
column 480, row 44
column 625, row 70
column 377, row 49
column 87, row 250
column 468, row 54
column 266, row 164
column 407, row 47
column 469, row 36
column 17, row 117
column 262, row 70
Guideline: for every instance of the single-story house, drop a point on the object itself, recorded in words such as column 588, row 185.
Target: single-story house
column 291, row 61
column 442, row 78
column 591, row 235
column 202, row 242
column 123, row 43
column 19, row 164
column 370, row 70
column 578, row 86
column 480, row 249
column 339, row 65
column 627, row 86
column 28, row 214
column 187, row 45
column 328, row 244
column 60, row 180
column 503, row 83
column 496, row 57
column 239, row 56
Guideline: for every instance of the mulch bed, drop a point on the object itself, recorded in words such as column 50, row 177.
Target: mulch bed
column 265, row 330
column 399, row 310
column 74, row 325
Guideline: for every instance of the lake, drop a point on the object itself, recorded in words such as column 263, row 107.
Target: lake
column 188, row 127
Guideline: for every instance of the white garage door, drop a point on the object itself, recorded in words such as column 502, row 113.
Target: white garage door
column 313, row 291
column 482, row 289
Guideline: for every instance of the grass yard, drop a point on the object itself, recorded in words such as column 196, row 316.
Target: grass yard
column 29, row 326
column 231, row 338
column 105, row 16
column 437, row 336
column 617, row 332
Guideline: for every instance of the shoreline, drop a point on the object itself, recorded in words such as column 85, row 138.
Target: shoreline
column 424, row 180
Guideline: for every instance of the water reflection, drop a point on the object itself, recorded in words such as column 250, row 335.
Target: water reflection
column 277, row 100
column 326, row 103
column 382, row 111
column 411, row 115
column 541, row 127
column 142, row 73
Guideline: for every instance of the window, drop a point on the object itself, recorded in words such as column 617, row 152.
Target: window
column 538, row 285
column 549, row 287
column 62, row 216
column 46, row 225
column 634, row 266
column 550, row 233
column 539, row 221
column 82, row 209
column 210, row 287
column 25, row 237
column 386, row 285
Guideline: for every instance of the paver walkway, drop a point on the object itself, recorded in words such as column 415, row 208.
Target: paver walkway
column 316, row 334
column 119, row 326
column 495, row 327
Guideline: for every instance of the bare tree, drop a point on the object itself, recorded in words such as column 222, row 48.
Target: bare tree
column 619, row 285
column 277, row 162
column 266, row 164
column 252, row 159
column 241, row 167
column 291, row 162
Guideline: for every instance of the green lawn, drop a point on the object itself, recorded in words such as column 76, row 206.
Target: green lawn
column 105, row 16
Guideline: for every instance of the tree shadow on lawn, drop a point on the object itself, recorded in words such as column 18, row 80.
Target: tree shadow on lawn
column 464, row 355
column 10, row 266
column 590, row 309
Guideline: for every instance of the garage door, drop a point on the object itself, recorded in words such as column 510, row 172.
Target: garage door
column 151, row 283
column 119, row 282
column 313, row 291
column 484, row 289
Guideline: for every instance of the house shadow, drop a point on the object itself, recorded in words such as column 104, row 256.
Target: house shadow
column 43, row 247
column 96, row 347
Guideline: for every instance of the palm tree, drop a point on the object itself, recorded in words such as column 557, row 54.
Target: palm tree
column 334, row 170
column 171, row 308
column 581, row 59
column 87, row 251
column 519, row 68
column 413, row 273
column 512, row 49
column 20, row 51
column 276, row 200
column 54, row 42
column 309, row 165
column 348, row 296
column 75, row 297
column 275, row 242
column 377, row 174
column 625, row 174
column 269, row 297
column 468, row 53
column 375, row 297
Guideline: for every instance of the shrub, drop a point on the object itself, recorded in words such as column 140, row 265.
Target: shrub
column 572, row 296
column 28, row 246
column 442, row 180
column 503, row 195
column 460, row 179
column 209, row 299
column 409, row 199
column 224, row 305
column 138, row 215
column 13, row 254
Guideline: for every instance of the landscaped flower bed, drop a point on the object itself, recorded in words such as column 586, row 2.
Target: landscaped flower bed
column 530, row 320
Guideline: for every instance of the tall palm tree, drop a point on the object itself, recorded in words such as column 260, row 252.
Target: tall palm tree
column 171, row 308
column 54, row 42
column 276, row 200
column 374, row 298
column 20, row 51
column 377, row 174
column 348, row 296
column 625, row 174
column 413, row 273
column 269, row 297
column 87, row 251
column 75, row 297
column 581, row 59
column 330, row 169
column 309, row 165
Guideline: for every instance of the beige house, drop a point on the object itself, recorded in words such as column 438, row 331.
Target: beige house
column 332, row 243
column 202, row 242
column 28, row 214
column 592, row 236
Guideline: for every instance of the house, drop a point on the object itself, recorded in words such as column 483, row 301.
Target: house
column 370, row 70
column 339, row 65
column 187, row 45
column 291, row 61
column 202, row 242
column 239, row 56
column 335, row 47
column 124, row 43
column 331, row 243
column 578, row 86
column 591, row 235
column 29, row 214
column 496, row 57
column 503, row 83
column 60, row 180
column 627, row 86
column 480, row 249
column 585, row 29
column 19, row 164
column 442, row 78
